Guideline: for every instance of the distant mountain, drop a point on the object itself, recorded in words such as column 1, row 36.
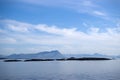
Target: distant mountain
column 117, row 57
column 55, row 54
column 2, row 57
column 87, row 55
column 97, row 55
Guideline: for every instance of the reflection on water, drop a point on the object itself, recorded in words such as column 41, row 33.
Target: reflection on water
column 60, row 70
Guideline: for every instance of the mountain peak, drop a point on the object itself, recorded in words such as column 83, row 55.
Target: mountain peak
column 55, row 51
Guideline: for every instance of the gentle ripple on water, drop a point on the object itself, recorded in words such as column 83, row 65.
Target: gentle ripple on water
column 58, row 70
column 63, row 77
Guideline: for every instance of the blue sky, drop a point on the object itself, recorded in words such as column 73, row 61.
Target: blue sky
column 70, row 26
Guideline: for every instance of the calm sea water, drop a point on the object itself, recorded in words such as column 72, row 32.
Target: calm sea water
column 61, row 70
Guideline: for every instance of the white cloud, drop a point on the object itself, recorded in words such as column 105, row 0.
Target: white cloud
column 99, row 13
column 18, row 29
column 67, row 40
column 55, row 30
column 16, row 26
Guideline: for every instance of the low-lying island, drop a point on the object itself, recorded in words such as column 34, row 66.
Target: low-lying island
column 63, row 59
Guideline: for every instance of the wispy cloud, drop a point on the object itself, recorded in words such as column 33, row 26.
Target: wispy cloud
column 67, row 40
column 99, row 13
column 89, row 7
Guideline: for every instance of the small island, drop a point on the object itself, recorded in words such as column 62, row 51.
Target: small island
column 2, row 58
column 69, row 59
column 63, row 59
column 88, row 58
column 38, row 60
column 12, row 60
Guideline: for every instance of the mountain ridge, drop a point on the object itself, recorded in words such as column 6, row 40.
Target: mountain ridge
column 54, row 54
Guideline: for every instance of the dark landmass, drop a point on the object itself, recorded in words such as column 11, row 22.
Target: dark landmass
column 38, row 60
column 12, row 60
column 2, row 58
column 68, row 59
column 63, row 59
column 87, row 58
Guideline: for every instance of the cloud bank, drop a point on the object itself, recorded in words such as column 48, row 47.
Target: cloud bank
column 20, row 37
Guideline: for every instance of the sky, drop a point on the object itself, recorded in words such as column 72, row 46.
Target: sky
column 70, row 26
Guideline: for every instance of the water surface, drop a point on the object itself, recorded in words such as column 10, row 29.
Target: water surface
column 61, row 70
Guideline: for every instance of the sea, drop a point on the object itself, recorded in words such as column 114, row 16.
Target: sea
column 61, row 70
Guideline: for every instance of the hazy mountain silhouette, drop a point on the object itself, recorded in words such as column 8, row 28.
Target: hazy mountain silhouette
column 55, row 54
